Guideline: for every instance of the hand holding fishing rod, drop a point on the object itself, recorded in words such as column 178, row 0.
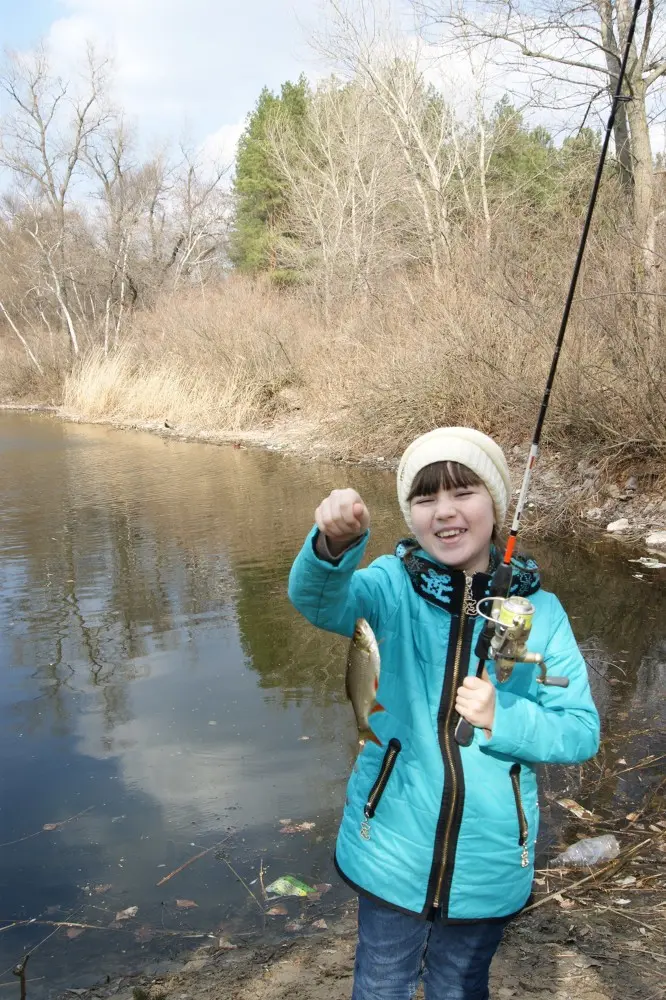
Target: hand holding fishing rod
column 501, row 582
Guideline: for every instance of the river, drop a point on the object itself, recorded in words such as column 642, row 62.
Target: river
column 159, row 696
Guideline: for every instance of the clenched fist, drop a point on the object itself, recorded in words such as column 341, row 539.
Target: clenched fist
column 342, row 517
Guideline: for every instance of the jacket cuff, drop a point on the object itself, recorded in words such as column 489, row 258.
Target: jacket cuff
column 508, row 732
column 322, row 552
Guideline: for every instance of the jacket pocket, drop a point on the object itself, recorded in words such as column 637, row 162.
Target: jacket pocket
column 388, row 763
column 523, row 828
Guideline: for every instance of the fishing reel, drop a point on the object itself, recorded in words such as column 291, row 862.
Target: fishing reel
column 511, row 618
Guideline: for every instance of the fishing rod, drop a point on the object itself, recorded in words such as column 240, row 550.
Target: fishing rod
column 495, row 638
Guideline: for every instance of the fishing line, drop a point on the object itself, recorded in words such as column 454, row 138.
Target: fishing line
column 501, row 580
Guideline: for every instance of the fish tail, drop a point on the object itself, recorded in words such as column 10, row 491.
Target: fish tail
column 370, row 737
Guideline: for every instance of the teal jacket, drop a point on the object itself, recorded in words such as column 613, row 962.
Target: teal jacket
column 430, row 827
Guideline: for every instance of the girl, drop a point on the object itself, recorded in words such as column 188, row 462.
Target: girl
column 438, row 839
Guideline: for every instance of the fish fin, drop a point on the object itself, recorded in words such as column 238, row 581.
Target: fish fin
column 376, row 708
column 373, row 739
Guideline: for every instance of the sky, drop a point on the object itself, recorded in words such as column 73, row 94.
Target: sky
column 192, row 70
column 189, row 69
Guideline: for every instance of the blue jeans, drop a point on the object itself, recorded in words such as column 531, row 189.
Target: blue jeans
column 395, row 950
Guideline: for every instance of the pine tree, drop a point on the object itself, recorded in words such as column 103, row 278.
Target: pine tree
column 261, row 194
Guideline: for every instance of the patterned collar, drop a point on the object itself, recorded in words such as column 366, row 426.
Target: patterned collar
column 445, row 587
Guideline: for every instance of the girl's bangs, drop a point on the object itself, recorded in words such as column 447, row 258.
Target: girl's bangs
column 442, row 475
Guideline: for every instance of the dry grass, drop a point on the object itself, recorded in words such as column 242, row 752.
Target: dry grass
column 123, row 387
column 475, row 350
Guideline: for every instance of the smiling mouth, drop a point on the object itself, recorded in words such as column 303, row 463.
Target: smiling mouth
column 450, row 533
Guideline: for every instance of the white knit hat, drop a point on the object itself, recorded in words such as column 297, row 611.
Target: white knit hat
column 457, row 444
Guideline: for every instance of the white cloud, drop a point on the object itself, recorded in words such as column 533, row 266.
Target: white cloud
column 194, row 68
column 220, row 146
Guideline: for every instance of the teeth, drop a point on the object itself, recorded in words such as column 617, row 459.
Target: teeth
column 451, row 533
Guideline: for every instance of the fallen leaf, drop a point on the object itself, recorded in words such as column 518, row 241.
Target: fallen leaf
column 127, row 914
column 540, row 881
column 282, row 822
column 226, row 945
column 580, row 811
column 622, row 902
column 643, row 931
column 621, row 760
column 320, row 925
column 50, row 826
column 627, row 880
column 298, row 828
column 144, row 934
column 295, row 925
column 277, row 911
column 323, row 887
column 74, row 932
column 99, row 889
column 632, row 816
column 185, row 904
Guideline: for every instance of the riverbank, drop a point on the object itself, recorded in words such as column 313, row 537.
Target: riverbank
column 580, row 497
column 604, row 946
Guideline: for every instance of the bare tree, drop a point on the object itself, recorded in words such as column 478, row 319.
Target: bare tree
column 570, row 50
column 342, row 228
column 50, row 126
column 201, row 217
column 362, row 39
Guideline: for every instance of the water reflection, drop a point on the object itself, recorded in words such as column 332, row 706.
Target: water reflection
column 153, row 669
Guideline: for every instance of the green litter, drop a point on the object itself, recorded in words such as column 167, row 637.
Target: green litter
column 287, row 885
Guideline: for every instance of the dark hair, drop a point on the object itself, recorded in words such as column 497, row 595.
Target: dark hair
column 446, row 476
column 442, row 476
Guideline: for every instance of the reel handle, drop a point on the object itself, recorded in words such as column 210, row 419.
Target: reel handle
column 464, row 733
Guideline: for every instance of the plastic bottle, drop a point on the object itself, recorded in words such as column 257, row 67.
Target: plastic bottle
column 588, row 852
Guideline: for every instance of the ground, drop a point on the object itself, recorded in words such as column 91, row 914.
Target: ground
column 562, row 950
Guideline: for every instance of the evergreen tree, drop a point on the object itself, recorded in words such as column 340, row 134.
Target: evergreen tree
column 261, row 194
column 525, row 161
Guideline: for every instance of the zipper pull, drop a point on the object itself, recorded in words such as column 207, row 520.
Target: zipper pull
column 469, row 604
column 524, row 857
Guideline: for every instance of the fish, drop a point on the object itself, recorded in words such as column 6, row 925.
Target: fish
column 362, row 678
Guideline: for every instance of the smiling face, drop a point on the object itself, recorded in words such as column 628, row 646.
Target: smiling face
column 453, row 517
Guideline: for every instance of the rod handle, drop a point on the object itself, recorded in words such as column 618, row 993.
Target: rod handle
column 555, row 682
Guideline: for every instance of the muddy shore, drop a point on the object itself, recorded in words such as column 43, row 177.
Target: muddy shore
column 587, row 949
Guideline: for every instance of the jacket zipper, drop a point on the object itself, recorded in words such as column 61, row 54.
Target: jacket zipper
column 377, row 790
column 468, row 607
column 522, row 819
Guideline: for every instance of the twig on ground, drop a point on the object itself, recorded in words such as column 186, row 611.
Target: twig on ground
column 261, row 879
column 240, row 879
column 191, row 861
column 613, row 866
column 19, row 971
column 633, row 920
